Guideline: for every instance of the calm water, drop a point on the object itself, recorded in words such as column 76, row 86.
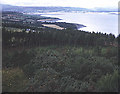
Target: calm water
column 97, row 22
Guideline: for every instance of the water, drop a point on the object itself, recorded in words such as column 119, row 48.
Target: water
column 97, row 22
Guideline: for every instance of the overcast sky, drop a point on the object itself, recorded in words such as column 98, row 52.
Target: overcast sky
column 64, row 3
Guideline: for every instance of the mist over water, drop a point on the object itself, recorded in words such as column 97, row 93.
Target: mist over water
column 97, row 22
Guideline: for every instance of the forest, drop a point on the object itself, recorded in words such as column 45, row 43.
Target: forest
column 51, row 60
column 46, row 37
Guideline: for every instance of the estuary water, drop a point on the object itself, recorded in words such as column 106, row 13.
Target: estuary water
column 97, row 22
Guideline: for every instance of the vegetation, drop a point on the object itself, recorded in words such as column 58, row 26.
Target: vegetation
column 61, row 69
column 46, row 37
column 25, row 21
column 14, row 80
column 50, row 60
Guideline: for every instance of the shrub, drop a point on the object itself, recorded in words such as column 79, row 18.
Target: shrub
column 14, row 80
column 45, row 80
column 109, row 52
column 20, row 59
column 109, row 82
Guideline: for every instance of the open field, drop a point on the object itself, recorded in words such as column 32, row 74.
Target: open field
column 53, row 26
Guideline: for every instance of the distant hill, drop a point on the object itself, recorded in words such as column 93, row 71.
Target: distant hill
column 41, row 9
column 11, row 8
column 52, row 9
column 98, row 9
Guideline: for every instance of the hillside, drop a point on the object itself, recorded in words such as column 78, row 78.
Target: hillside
column 40, row 9
column 53, row 9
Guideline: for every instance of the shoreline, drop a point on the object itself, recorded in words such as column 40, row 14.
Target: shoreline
column 79, row 26
column 55, row 19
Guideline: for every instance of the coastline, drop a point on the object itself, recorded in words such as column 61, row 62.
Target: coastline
column 93, row 21
column 80, row 26
column 56, row 22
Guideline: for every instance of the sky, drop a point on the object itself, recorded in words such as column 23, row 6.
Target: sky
column 64, row 3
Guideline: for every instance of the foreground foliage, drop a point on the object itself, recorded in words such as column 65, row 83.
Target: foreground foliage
column 61, row 69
